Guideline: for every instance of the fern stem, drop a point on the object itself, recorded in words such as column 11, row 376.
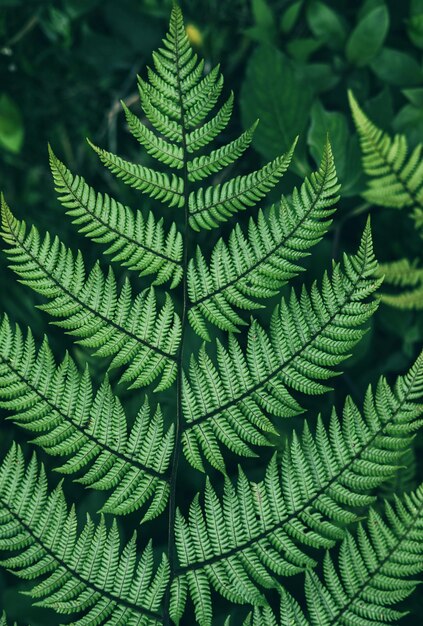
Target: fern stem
column 171, row 550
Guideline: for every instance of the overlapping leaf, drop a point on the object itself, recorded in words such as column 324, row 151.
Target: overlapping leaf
column 137, row 243
column 309, row 335
column 255, row 267
column 260, row 532
column 131, row 331
column 79, row 572
column 70, row 420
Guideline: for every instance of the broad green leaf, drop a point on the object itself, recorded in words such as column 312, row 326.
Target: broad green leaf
column 290, row 16
column 368, row 36
column 276, row 92
column 326, row 24
column 396, row 68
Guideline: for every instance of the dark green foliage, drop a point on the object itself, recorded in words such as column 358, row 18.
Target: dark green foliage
column 212, row 237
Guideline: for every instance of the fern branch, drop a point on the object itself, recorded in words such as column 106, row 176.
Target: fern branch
column 155, row 184
column 248, row 269
column 215, row 204
column 308, row 337
column 139, row 244
column 396, row 178
column 131, row 332
column 80, row 573
column 374, row 567
column 205, row 165
column 260, row 529
column 58, row 404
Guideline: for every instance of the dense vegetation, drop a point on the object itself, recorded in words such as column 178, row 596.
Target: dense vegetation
column 306, row 68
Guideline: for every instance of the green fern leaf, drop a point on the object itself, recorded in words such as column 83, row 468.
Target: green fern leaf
column 168, row 153
column 396, row 178
column 403, row 273
column 373, row 573
column 203, row 166
column 82, row 573
column 139, row 244
column 58, row 404
column 241, row 540
column 208, row 207
column 308, row 337
column 259, row 532
column 154, row 183
column 247, row 269
column 133, row 333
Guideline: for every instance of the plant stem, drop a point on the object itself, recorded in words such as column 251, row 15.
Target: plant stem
column 180, row 360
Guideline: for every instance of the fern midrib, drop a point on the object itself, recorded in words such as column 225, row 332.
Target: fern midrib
column 107, row 594
column 121, row 234
column 120, row 455
column 171, row 548
column 269, row 377
column 83, row 304
column 391, row 552
column 268, row 531
column 263, row 259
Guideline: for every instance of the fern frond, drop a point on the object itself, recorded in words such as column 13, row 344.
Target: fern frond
column 203, row 135
column 59, row 405
column 158, row 185
column 260, row 531
column 86, row 572
column 139, row 244
column 396, row 177
column 374, row 569
column 212, row 205
column 203, row 166
column 132, row 332
column 372, row 572
column 168, row 153
column 247, row 269
column 308, row 337
column 403, row 273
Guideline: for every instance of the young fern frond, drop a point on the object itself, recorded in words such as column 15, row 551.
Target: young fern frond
column 309, row 335
column 260, row 532
column 82, row 572
column 245, row 541
column 396, row 177
column 59, row 405
column 140, row 244
column 131, row 331
column 375, row 569
column 247, row 269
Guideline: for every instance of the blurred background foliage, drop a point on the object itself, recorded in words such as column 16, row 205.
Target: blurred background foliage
column 66, row 64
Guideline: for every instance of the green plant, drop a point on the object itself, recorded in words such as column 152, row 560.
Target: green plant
column 244, row 541
column 395, row 181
